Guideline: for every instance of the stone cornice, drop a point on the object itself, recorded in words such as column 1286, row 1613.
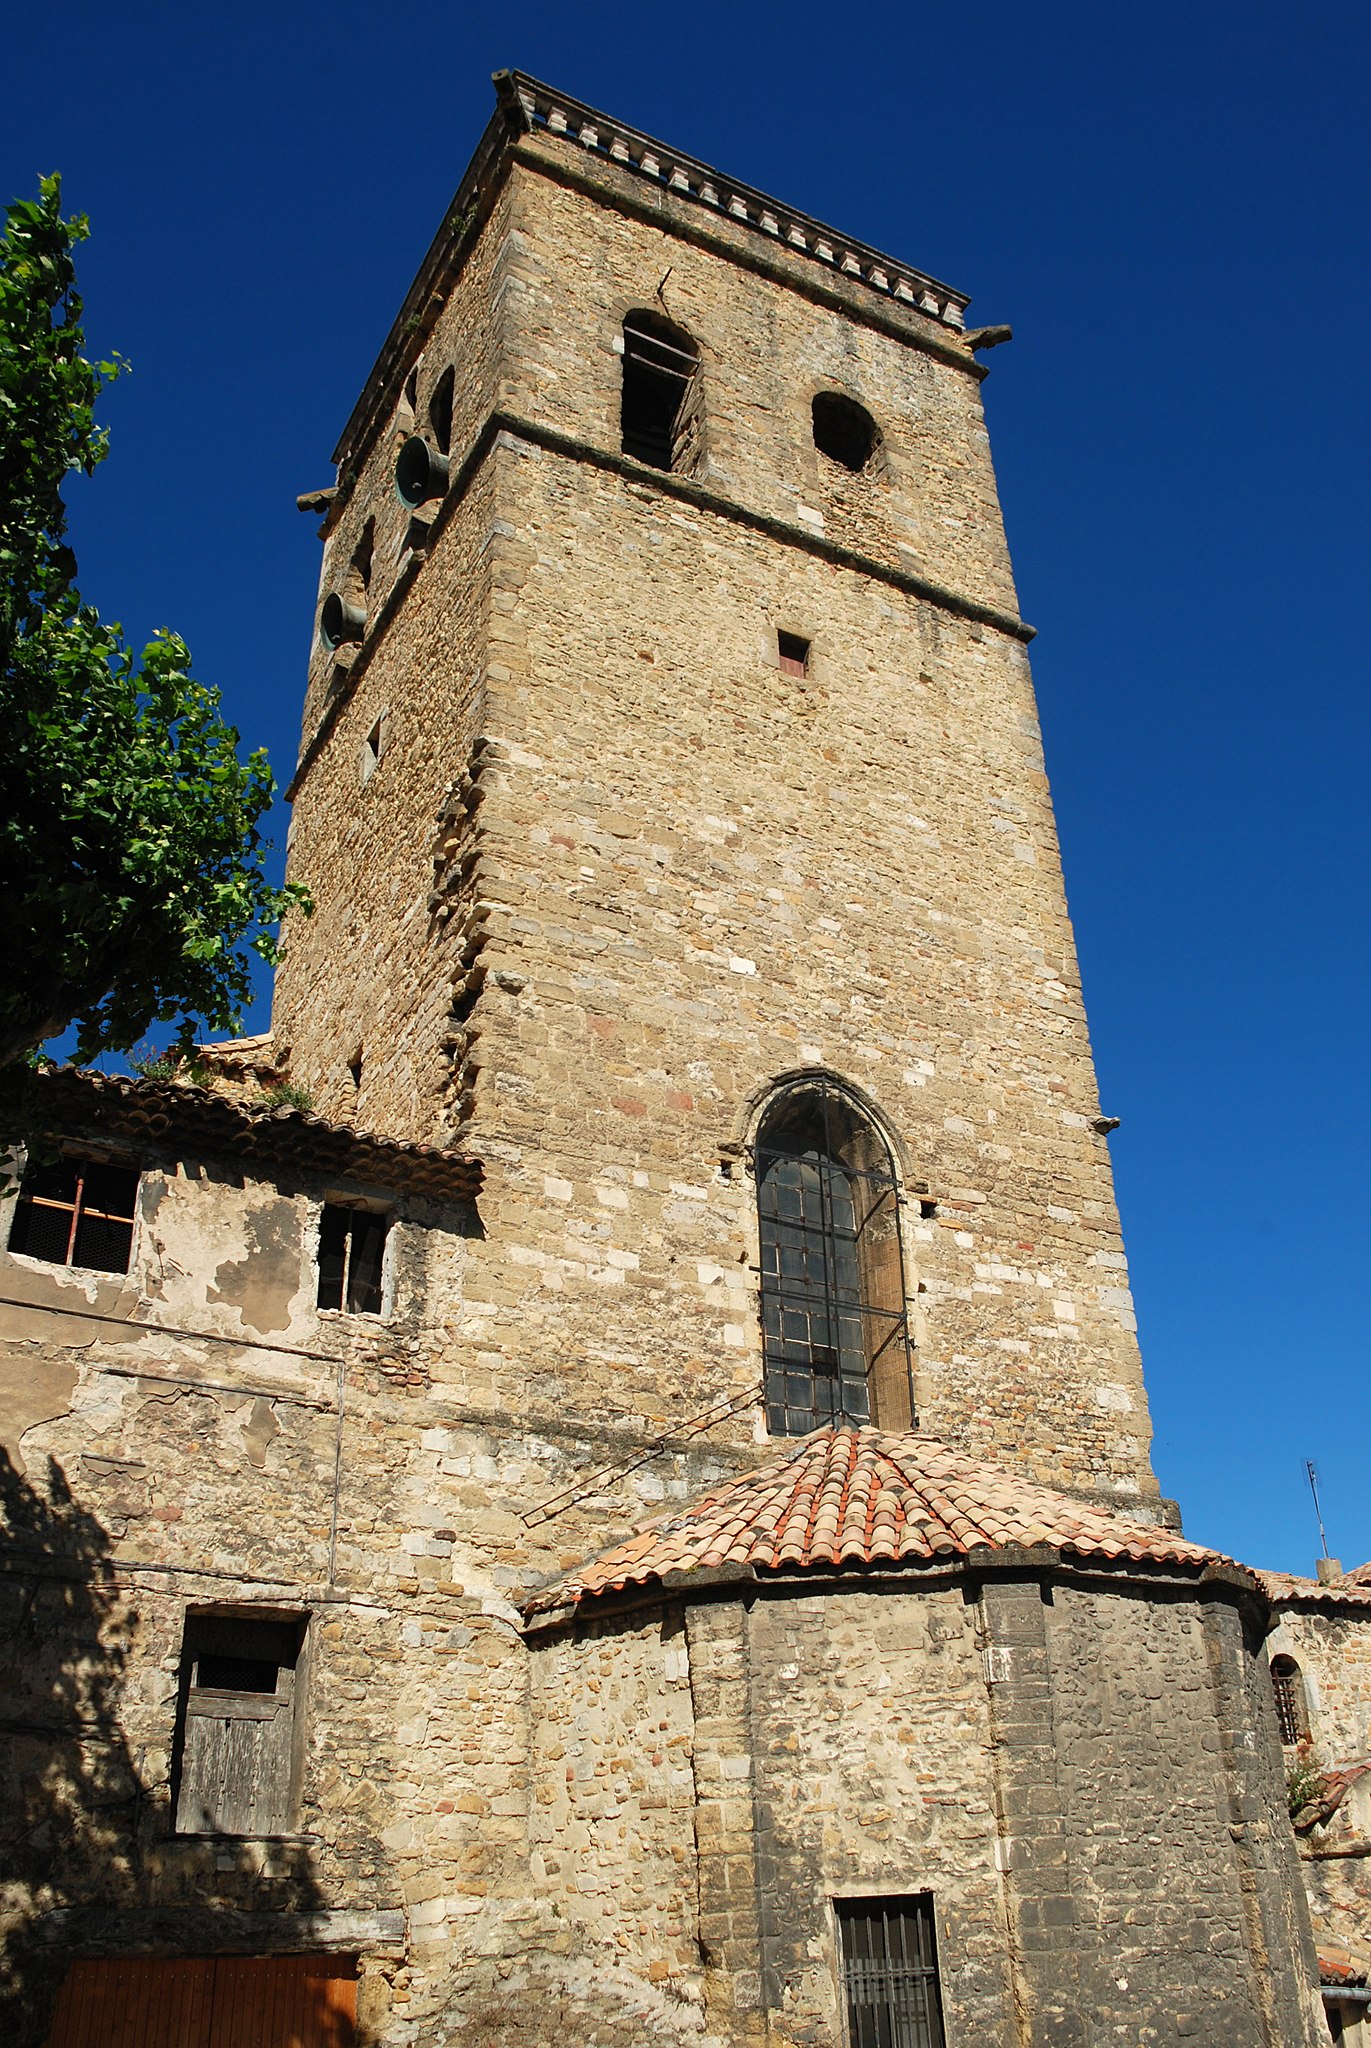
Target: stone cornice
column 545, row 110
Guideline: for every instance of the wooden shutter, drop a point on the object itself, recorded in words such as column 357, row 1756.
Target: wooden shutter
column 236, row 1764
column 236, row 1761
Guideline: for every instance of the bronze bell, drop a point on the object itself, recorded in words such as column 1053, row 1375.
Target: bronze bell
column 340, row 621
column 421, row 473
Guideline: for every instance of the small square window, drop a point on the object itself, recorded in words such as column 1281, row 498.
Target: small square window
column 77, row 1212
column 793, row 653
column 352, row 1246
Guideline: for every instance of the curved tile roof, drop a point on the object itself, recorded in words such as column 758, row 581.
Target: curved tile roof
column 1284, row 1589
column 849, row 1498
column 72, row 1102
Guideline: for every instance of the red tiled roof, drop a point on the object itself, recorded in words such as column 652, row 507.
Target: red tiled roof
column 1284, row 1589
column 1338, row 1965
column 71, row 1102
column 847, row 1498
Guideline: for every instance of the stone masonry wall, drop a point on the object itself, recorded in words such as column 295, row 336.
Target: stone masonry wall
column 1066, row 1771
column 1333, row 1651
column 674, row 873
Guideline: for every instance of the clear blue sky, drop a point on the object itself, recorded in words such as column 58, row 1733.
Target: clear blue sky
column 1169, row 203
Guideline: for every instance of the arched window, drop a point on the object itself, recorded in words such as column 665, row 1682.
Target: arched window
column 1292, row 1702
column 660, row 417
column 844, row 431
column 834, row 1335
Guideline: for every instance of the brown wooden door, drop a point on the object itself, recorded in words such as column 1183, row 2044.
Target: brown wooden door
column 208, row 2002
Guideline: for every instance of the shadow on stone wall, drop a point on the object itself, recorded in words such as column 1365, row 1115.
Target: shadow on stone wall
column 88, row 1865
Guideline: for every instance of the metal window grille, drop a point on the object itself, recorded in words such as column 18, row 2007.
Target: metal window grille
column 833, row 1314
column 660, row 366
column 77, row 1212
column 1292, row 1713
column 352, row 1244
column 890, row 1972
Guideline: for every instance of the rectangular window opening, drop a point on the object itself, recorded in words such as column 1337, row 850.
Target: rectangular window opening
column 794, row 654
column 890, row 1972
column 77, row 1212
column 237, row 1754
column 352, row 1246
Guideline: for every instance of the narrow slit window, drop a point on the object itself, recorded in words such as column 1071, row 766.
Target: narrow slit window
column 890, row 1972
column 794, row 654
column 77, row 1212
column 440, row 411
column 374, row 747
column 352, row 1246
column 659, row 421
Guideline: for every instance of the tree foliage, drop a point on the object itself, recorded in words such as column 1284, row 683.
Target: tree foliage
column 132, row 886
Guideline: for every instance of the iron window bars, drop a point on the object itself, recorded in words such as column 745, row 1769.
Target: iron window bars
column 890, row 1972
column 1292, row 1710
column 833, row 1307
column 77, row 1212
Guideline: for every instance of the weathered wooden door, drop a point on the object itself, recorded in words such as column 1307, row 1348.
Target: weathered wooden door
column 208, row 2002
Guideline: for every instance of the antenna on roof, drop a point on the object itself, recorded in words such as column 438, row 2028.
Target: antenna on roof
column 1314, row 1489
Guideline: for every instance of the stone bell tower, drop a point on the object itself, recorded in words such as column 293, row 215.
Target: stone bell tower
column 670, row 741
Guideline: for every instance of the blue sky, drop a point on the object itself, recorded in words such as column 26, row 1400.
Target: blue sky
column 1169, row 204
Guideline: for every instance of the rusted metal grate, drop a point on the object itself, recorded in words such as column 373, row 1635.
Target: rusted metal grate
column 890, row 1972
column 1292, row 1708
column 77, row 1212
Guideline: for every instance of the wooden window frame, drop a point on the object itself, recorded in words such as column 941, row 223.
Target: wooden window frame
column 347, row 1303
column 78, row 1210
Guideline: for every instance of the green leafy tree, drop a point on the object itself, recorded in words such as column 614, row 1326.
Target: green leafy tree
column 132, row 884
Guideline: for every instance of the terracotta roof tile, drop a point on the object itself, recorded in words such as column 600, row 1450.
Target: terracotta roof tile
column 1284, row 1589
column 1339, row 1965
column 70, row 1102
column 858, row 1497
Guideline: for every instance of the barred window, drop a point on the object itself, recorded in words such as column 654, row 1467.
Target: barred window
column 1292, row 1703
column 834, row 1333
column 890, row 1972
column 77, row 1212
column 352, row 1248
column 660, row 417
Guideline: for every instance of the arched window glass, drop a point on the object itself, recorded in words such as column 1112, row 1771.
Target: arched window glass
column 660, row 421
column 834, row 1333
column 1292, row 1704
